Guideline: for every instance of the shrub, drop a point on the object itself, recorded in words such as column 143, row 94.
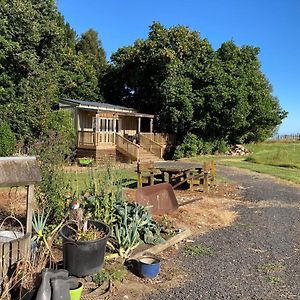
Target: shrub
column 189, row 147
column 221, row 146
column 7, row 140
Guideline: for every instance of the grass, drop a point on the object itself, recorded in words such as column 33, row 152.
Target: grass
column 278, row 159
column 80, row 180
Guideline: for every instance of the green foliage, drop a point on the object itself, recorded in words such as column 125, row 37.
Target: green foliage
column 99, row 200
column 134, row 225
column 115, row 273
column 39, row 64
column 130, row 223
column 189, row 147
column 192, row 146
column 39, row 225
column 216, row 95
column 7, row 140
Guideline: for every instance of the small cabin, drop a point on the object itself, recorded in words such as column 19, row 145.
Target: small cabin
column 120, row 133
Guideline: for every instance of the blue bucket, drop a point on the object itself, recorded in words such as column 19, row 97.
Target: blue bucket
column 149, row 266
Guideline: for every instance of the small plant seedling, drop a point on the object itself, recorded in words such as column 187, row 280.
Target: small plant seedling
column 197, row 250
column 274, row 279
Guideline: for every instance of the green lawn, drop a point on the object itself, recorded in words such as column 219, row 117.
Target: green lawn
column 80, row 180
column 281, row 160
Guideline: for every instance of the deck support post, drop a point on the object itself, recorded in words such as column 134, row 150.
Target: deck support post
column 151, row 125
column 139, row 125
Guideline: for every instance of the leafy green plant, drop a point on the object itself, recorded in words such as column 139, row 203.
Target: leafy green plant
column 133, row 226
column 7, row 140
column 39, row 221
column 115, row 273
column 99, row 200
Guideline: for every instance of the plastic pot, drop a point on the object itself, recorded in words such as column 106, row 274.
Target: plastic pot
column 75, row 294
column 83, row 258
column 149, row 266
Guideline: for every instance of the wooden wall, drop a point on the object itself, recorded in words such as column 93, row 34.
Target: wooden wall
column 86, row 120
column 129, row 125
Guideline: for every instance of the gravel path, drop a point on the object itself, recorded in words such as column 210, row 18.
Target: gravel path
column 255, row 258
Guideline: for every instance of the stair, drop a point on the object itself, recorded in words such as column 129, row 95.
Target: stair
column 146, row 156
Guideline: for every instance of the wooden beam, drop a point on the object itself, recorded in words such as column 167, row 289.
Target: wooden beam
column 17, row 171
column 30, row 192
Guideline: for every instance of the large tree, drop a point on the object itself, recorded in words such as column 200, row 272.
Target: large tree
column 31, row 42
column 176, row 75
column 40, row 61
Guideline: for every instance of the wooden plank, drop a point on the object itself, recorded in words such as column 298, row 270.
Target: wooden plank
column 161, row 247
column 1, row 260
column 30, row 192
column 16, row 171
column 6, row 258
column 14, row 248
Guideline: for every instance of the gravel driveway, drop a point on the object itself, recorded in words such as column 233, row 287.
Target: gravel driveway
column 255, row 258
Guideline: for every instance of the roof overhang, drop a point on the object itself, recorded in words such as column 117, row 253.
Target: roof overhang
column 102, row 107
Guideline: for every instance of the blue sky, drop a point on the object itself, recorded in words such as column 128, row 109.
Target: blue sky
column 271, row 25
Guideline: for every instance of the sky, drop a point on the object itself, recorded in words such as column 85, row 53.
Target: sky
column 271, row 25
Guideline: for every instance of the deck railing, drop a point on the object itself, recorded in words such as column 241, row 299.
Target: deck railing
column 124, row 145
column 160, row 138
column 91, row 139
column 151, row 146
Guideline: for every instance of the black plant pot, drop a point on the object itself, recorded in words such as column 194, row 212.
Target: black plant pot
column 83, row 258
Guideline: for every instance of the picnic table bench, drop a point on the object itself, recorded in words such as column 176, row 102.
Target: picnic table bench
column 177, row 172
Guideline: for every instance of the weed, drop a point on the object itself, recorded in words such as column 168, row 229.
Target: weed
column 115, row 273
column 197, row 250
column 270, row 267
column 274, row 279
column 243, row 225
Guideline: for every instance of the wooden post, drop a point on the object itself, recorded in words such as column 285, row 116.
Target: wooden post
column 151, row 125
column 191, row 174
column 139, row 125
column 30, row 191
column 151, row 178
column 212, row 170
column 205, row 181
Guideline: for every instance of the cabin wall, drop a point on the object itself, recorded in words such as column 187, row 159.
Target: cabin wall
column 129, row 125
column 85, row 120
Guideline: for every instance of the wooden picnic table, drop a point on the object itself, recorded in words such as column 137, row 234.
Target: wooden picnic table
column 177, row 170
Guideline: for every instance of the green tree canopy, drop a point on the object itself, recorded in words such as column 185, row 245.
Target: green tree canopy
column 176, row 75
column 40, row 61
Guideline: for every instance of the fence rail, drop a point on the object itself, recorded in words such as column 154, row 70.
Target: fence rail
column 128, row 147
column 160, row 138
column 151, row 146
column 287, row 137
column 90, row 138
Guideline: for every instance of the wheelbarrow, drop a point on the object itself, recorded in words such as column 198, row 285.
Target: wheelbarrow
column 159, row 198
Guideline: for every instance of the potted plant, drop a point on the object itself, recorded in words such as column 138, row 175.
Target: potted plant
column 84, row 246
